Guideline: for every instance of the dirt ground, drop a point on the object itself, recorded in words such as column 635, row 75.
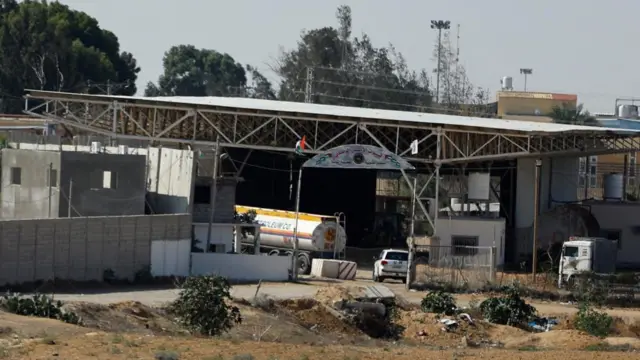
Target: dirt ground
column 300, row 329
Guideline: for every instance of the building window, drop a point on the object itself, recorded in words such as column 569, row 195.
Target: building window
column 464, row 245
column 109, row 180
column 104, row 180
column 52, row 178
column 16, row 176
column 613, row 235
column 593, row 171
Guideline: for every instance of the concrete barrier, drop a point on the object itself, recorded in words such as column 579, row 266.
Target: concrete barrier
column 334, row 269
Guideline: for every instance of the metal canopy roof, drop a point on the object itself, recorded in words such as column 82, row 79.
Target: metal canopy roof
column 277, row 125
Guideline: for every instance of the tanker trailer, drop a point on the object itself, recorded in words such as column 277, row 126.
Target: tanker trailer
column 319, row 236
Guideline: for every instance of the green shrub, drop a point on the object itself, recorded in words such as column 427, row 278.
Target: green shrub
column 593, row 322
column 438, row 302
column 202, row 305
column 509, row 309
column 38, row 305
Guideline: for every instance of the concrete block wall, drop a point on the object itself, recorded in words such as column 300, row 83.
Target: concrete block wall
column 225, row 204
column 170, row 172
column 81, row 249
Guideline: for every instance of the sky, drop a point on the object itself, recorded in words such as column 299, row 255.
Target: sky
column 579, row 47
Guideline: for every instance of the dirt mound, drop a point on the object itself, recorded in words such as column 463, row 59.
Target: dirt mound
column 555, row 339
column 129, row 316
column 316, row 316
column 328, row 295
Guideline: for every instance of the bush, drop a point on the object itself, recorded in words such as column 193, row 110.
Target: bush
column 507, row 310
column 593, row 322
column 202, row 305
column 38, row 305
column 438, row 302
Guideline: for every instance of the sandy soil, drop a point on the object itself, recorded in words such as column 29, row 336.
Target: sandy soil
column 299, row 329
column 108, row 346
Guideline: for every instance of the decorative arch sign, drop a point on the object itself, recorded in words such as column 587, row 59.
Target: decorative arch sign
column 358, row 157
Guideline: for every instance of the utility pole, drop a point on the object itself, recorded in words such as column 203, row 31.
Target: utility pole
column 526, row 72
column 308, row 91
column 50, row 186
column 439, row 25
column 536, row 207
column 69, row 206
column 214, row 191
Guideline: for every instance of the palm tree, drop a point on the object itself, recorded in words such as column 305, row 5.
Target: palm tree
column 568, row 114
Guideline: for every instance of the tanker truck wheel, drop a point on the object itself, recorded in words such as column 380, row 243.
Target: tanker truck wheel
column 304, row 264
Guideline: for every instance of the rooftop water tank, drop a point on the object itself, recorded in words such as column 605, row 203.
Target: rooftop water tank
column 613, row 185
column 479, row 186
column 507, row 83
column 628, row 111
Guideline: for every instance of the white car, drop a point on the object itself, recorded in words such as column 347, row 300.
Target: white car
column 391, row 264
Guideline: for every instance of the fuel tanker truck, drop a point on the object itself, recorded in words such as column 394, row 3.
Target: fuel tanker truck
column 319, row 236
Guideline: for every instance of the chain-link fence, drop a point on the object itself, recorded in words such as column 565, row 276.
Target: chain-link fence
column 458, row 266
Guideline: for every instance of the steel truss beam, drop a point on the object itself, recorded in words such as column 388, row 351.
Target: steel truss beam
column 254, row 129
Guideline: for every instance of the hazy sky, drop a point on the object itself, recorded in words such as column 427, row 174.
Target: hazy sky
column 583, row 47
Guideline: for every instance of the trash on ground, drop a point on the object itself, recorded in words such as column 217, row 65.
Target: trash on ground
column 543, row 324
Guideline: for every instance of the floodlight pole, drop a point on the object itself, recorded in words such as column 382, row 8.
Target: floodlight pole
column 294, row 256
column 526, row 72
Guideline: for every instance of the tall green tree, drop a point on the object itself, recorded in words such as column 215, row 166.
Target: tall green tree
column 52, row 47
column 189, row 71
column 341, row 70
column 575, row 115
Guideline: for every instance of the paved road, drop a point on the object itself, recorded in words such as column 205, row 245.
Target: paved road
column 159, row 297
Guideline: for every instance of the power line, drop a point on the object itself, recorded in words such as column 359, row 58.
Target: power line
column 369, row 87
column 109, row 87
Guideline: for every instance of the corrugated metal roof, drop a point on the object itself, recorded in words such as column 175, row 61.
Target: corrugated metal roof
column 378, row 114
column 344, row 111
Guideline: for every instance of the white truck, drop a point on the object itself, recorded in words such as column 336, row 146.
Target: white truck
column 319, row 236
column 582, row 255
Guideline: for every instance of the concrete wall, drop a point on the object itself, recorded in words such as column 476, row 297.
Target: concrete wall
column 170, row 257
column 490, row 232
column 221, row 236
column 225, row 202
column 81, row 249
column 30, row 199
column 170, row 179
column 558, row 185
column 91, row 196
column 241, row 267
column 623, row 217
column 170, row 172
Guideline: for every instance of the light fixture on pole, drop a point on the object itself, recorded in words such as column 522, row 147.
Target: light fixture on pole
column 439, row 25
column 526, row 72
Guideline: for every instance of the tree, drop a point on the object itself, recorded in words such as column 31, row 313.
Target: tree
column 189, row 71
column 350, row 72
column 48, row 46
column 261, row 88
column 575, row 115
column 458, row 95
